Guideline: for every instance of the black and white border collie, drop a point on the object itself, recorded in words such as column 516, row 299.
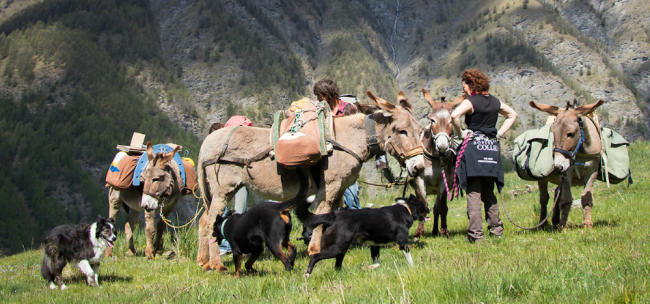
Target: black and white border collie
column 83, row 244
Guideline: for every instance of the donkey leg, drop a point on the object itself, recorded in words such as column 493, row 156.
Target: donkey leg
column 160, row 230
column 565, row 201
column 149, row 231
column 114, row 205
column 543, row 201
column 587, row 200
column 444, row 210
column 217, row 207
column 314, row 244
column 128, row 231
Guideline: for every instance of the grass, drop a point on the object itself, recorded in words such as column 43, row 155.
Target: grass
column 609, row 263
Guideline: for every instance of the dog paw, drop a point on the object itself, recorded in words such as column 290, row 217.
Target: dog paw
column 52, row 285
column 63, row 287
column 372, row 266
column 306, row 275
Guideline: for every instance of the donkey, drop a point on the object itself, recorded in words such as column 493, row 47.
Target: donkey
column 358, row 137
column 161, row 188
column 576, row 141
column 439, row 158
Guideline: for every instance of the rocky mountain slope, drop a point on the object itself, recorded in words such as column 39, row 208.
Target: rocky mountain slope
column 77, row 77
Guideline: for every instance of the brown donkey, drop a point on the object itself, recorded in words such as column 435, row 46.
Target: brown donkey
column 577, row 146
column 439, row 158
column 393, row 128
column 161, row 188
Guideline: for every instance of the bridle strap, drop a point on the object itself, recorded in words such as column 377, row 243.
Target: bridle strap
column 572, row 155
column 371, row 135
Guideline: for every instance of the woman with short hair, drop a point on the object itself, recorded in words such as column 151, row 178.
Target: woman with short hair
column 481, row 165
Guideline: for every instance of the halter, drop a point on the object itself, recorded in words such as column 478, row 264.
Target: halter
column 171, row 172
column 572, row 155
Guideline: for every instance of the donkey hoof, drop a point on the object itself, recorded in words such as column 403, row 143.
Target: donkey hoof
column 444, row 232
column 588, row 224
column 219, row 267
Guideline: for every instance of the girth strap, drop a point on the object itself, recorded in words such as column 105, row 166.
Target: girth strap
column 338, row 146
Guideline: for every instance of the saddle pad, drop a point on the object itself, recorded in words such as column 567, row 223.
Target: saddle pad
column 143, row 161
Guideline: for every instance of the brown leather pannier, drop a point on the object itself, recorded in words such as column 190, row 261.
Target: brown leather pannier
column 301, row 140
column 190, row 176
column 120, row 173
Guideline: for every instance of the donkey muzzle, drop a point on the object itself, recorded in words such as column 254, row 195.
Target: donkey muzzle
column 148, row 202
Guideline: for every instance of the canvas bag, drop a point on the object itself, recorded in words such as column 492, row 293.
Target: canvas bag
column 120, row 173
column 617, row 158
column 533, row 153
column 299, row 140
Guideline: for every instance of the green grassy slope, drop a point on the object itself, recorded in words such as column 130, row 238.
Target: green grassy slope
column 69, row 99
column 609, row 263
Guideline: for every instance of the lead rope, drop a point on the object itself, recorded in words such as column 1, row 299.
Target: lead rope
column 505, row 210
column 455, row 189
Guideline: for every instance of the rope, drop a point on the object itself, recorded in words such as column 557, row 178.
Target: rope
column 455, row 188
column 168, row 222
column 505, row 210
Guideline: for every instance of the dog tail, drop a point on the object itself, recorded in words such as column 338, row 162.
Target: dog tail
column 302, row 192
column 50, row 253
column 311, row 220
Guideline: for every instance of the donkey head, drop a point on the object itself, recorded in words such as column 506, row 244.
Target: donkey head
column 398, row 132
column 158, row 178
column 566, row 129
column 440, row 127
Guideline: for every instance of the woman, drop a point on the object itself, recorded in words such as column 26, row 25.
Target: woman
column 480, row 165
column 327, row 90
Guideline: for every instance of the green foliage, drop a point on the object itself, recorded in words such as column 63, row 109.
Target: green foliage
column 52, row 135
column 263, row 67
column 355, row 70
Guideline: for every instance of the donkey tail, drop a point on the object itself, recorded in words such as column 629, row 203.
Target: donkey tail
column 205, row 192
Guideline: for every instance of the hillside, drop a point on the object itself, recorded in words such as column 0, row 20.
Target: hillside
column 77, row 77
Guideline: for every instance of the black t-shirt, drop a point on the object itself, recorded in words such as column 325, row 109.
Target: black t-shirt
column 486, row 112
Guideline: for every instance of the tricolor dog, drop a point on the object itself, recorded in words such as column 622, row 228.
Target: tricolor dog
column 82, row 244
column 378, row 226
column 267, row 223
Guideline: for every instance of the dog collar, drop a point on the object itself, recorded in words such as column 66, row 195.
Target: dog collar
column 406, row 206
column 223, row 225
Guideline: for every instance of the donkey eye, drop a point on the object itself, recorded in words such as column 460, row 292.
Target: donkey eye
column 403, row 132
column 570, row 135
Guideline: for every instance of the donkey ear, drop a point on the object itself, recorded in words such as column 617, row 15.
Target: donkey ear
column 150, row 155
column 586, row 109
column 403, row 101
column 428, row 97
column 553, row 110
column 386, row 106
column 457, row 101
column 168, row 156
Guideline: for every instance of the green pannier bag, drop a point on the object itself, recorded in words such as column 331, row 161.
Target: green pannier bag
column 617, row 160
column 533, row 153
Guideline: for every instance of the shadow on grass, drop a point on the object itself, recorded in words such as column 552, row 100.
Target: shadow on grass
column 79, row 278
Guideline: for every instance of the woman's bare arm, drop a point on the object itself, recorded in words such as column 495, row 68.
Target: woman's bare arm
column 510, row 115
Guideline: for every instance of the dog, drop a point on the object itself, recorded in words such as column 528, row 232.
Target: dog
column 83, row 244
column 373, row 226
column 267, row 223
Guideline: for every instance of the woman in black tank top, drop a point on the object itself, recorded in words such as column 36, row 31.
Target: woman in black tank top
column 481, row 166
